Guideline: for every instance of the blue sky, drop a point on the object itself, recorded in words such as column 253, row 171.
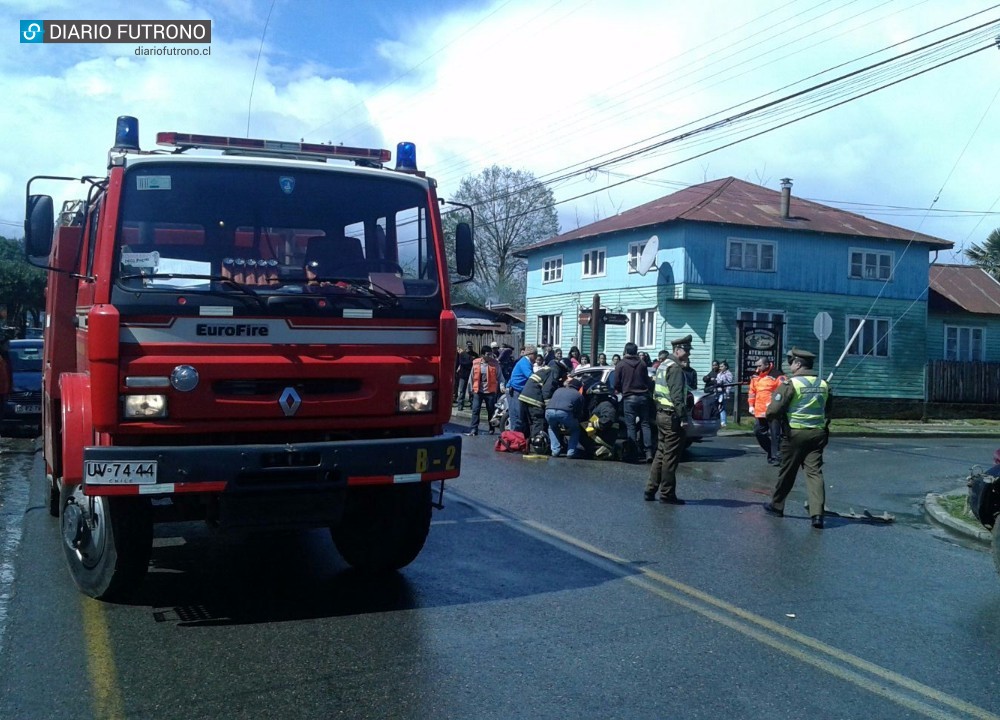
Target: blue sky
column 540, row 87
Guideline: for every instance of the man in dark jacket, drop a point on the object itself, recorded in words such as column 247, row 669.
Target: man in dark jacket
column 463, row 366
column 632, row 383
column 506, row 360
column 565, row 410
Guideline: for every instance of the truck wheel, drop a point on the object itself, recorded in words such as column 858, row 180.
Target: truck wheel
column 53, row 499
column 996, row 543
column 384, row 528
column 107, row 541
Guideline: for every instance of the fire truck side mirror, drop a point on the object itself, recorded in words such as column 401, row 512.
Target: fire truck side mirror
column 39, row 226
column 465, row 250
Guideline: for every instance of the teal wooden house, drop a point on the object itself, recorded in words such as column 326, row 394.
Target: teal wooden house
column 731, row 250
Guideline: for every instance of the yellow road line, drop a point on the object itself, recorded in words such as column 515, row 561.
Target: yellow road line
column 741, row 620
column 107, row 697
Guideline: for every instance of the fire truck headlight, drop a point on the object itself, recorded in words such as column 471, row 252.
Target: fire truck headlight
column 415, row 401
column 145, row 406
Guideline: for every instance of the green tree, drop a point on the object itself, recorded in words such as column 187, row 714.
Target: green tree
column 512, row 211
column 22, row 286
column 987, row 255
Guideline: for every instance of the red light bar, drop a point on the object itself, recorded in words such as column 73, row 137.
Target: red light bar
column 187, row 141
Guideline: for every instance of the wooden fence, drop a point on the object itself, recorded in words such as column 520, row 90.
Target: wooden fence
column 949, row 381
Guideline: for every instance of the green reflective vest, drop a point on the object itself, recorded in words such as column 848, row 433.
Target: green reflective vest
column 809, row 395
column 661, row 392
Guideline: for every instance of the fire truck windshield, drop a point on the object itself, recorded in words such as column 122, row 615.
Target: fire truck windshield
column 273, row 238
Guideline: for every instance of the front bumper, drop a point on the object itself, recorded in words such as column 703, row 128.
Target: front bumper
column 160, row 470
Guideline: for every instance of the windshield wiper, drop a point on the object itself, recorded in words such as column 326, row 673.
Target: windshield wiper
column 249, row 293
column 372, row 291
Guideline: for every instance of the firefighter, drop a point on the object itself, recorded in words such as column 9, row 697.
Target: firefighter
column 538, row 390
column 802, row 402
column 670, row 394
column 601, row 428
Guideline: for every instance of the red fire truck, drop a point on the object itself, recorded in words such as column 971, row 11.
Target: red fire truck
column 257, row 337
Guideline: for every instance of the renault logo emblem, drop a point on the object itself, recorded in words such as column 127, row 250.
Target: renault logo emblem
column 289, row 401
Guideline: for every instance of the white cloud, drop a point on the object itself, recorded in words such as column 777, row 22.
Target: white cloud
column 534, row 87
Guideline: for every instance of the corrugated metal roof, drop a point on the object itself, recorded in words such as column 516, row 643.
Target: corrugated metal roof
column 736, row 202
column 968, row 286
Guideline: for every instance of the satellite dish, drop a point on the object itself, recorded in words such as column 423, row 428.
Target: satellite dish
column 648, row 257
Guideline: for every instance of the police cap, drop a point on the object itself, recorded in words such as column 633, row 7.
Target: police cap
column 684, row 342
column 796, row 353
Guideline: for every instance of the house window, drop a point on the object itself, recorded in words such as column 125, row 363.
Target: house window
column 762, row 316
column 552, row 270
column 550, row 330
column 593, row 263
column 963, row 343
column 757, row 255
column 634, row 253
column 867, row 265
column 873, row 339
column 642, row 328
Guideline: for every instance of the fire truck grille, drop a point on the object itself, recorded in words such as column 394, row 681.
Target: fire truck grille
column 34, row 396
column 270, row 387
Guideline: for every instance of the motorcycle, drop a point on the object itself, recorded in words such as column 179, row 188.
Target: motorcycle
column 984, row 501
column 500, row 420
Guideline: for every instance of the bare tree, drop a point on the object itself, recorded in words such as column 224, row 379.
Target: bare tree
column 513, row 210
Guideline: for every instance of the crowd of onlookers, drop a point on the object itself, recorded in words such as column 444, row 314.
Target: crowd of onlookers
column 528, row 386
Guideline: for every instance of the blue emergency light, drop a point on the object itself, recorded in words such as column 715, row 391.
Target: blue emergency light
column 127, row 133
column 406, row 157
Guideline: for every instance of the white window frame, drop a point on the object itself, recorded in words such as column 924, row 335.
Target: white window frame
column 555, row 321
column 875, row 340
column 552, row 269
column 744, row 264
column 874, row 256
column 634, row 254
column 642, row 327
column 595, row 257
column 964, row 340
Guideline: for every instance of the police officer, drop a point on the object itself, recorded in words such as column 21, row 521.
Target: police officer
column 802, row 402
column 670, row 396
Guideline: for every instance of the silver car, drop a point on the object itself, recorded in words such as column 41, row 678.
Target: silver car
column 703, row 407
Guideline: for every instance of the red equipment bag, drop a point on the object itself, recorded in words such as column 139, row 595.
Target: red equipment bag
column 511, row 441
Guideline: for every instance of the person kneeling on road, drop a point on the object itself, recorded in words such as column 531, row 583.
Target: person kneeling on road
column 564, row 412
column 601, row 428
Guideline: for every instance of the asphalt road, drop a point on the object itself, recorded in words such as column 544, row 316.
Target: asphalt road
column 547, row 589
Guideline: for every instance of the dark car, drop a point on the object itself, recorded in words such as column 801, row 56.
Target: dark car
column 23, row 406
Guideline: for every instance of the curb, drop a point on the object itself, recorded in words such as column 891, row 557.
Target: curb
column 932, row 506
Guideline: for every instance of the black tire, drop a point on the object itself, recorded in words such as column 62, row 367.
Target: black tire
column 54, row 499
column 384, row 528
column 996, row 543
column 107, row 541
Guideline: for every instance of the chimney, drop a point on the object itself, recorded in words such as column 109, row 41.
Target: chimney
column 786, row 196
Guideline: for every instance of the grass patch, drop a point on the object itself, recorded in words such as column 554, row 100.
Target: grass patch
column 958, row 507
